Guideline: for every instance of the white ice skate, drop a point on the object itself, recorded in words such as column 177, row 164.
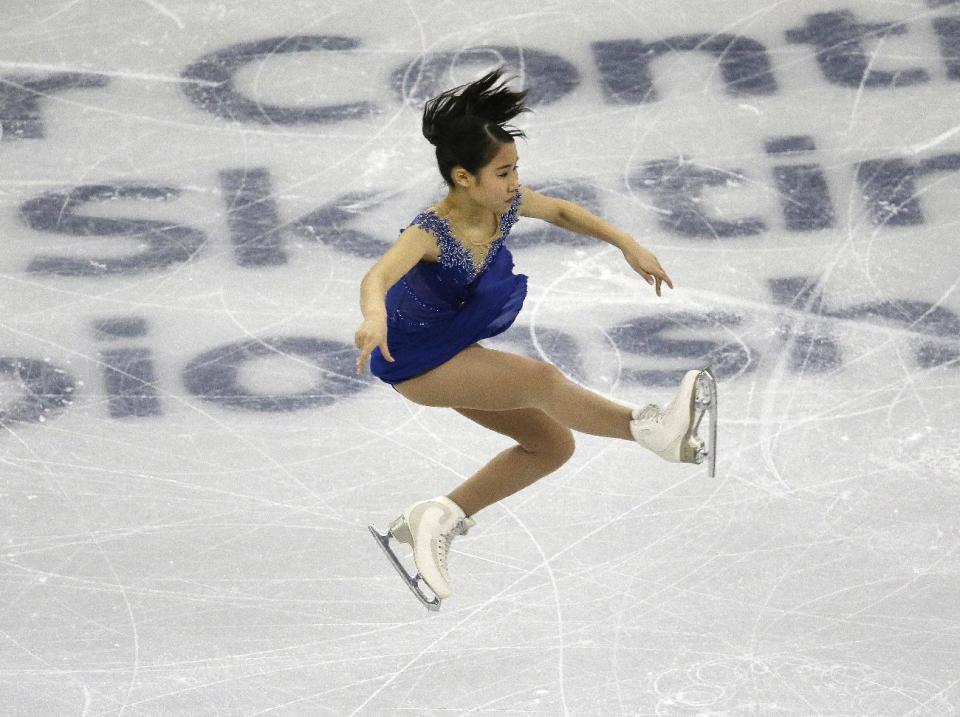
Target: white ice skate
column 671, row 433
column 428, row 527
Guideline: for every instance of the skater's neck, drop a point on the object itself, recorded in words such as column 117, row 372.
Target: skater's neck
column 462, row 210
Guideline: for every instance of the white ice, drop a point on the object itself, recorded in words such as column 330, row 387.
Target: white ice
column 213, row 560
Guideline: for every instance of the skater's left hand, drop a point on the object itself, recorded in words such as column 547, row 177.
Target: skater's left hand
column 646, row 265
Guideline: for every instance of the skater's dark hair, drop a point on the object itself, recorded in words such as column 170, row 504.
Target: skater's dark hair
column 467, row 124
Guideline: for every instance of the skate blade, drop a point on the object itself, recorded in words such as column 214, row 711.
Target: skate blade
column 705, row 404
column 412, row 581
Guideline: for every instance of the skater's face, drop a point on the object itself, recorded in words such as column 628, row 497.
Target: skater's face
column 495, row 184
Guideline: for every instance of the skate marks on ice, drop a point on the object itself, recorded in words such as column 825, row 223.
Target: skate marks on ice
column 718, row 686
column 176, row 352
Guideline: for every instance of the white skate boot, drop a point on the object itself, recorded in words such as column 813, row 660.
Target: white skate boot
column 428, row 527
column 671, row 433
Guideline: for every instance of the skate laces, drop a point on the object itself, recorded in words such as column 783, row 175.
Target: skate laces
column 460, row 528
column 649, row 412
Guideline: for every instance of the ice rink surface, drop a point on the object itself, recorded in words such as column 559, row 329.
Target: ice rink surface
column 190, row 193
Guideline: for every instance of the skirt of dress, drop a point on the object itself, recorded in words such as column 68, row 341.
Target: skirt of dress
column 489, row 309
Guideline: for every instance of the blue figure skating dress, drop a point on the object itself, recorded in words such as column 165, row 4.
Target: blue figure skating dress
column 437, row 309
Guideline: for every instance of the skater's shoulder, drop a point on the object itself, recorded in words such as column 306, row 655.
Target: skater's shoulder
column 429, row 220
column 414, row 245
column 419, row 239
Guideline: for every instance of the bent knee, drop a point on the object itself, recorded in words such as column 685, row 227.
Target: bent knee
column 558, row 447
column 566, row 448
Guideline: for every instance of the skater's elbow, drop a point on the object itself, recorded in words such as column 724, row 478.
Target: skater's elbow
column 373, row 281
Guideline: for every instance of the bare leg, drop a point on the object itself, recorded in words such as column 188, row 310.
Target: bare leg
column 491, row 380
column 583, row 410
column 528, row 400
column 543, row 445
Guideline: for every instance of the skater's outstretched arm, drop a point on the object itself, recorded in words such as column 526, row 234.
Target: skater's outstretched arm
column 571, row 216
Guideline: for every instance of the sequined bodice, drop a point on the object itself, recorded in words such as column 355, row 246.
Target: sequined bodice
column 457, row 259
column 452, row 252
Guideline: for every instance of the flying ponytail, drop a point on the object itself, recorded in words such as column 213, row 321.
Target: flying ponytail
column 467, row 124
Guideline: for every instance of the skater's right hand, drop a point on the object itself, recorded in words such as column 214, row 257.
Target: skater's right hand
column 371, row 334
column 646, row 265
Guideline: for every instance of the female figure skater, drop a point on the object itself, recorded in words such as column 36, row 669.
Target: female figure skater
column 447, row 283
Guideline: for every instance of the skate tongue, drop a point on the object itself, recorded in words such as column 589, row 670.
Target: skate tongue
column 454, row 508
column 463, row 523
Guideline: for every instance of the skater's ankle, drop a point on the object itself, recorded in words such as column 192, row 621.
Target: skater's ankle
column 461, row 506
